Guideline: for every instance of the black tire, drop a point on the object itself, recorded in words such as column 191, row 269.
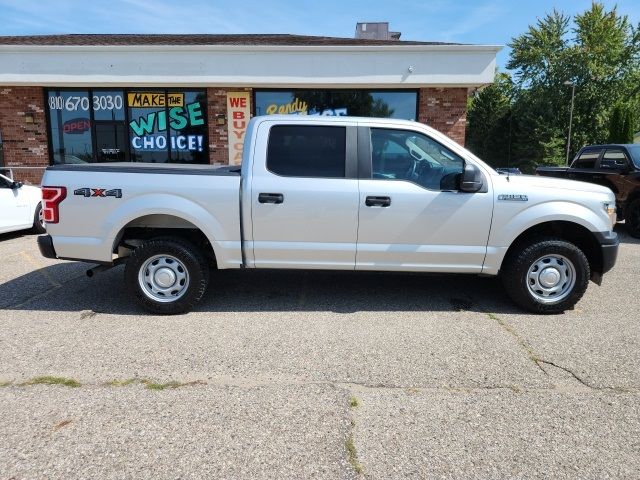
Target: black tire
column 632, row 218
column 187, row 255
column 38, row 224
column 516, row 281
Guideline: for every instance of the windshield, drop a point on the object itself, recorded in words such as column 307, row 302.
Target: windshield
column 634, row 150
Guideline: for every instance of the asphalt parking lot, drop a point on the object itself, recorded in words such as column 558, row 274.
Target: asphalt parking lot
column 314, row 375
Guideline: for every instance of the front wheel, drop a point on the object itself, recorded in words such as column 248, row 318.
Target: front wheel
column 546, row 276
column 167, row 275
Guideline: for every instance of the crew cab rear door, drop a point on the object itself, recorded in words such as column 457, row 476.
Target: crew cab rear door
column 412, row 217
column 304, row 195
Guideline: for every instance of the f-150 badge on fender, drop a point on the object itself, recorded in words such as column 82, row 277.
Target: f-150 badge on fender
column 98, row 192
column 514, row 198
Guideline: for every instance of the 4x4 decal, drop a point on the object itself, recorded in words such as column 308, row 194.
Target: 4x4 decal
column 98, row 192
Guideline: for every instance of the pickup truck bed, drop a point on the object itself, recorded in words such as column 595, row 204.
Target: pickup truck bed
column 208, row 200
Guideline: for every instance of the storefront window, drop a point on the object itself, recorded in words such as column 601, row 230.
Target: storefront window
column 114, row 125
column 148, row 125
column 167, row 126
column 110, row 129
column 188, row 129
column 70, row 123
column 364, row 103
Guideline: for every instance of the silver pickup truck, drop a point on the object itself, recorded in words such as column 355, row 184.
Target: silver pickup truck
column 331, row 193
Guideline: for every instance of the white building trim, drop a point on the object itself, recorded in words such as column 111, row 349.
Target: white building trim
column 380, row 66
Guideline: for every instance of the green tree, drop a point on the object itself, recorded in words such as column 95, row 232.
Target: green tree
column 616, row 122
column 599, row 50
column 622, row 123
column 488, row 119
column 629, row 126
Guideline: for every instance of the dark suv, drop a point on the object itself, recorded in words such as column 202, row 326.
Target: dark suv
column 614, row 166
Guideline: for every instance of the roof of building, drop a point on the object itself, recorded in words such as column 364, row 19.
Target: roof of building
column 198, row 39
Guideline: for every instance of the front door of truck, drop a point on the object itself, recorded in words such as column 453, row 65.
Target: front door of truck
column 412, row 217
column 304, row 196
column 613, row 168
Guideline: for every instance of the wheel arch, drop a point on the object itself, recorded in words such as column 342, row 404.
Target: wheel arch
column 165, row 214
column 156, row 225
column 572, row 232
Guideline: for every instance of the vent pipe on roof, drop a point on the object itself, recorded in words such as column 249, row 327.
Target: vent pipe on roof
column 375, row 31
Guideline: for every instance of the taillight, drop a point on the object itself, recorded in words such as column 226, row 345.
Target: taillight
column 51, row 198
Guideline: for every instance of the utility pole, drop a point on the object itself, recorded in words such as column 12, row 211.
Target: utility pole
column 573, row 94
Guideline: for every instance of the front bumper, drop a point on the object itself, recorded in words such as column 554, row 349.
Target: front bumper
column 45, row 244
column 609, row 243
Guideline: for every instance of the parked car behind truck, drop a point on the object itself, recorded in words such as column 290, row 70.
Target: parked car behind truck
column 614, row 166
column 332, row 193
column 20, row 207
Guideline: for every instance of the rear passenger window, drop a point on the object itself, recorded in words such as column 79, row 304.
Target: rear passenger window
column 586, row 159
column 307, row 151
column 613, row 160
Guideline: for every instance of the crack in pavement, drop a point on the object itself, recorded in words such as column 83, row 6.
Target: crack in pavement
column 539, row 362
column 525, row 346
column 350, row 445
column 569, row 371
column 351, row 387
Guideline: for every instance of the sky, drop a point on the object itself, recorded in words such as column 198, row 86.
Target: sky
column 493, row 22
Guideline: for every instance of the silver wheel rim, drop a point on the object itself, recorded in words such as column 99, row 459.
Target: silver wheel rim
column 551, row 278
column 163, row 278
column 41, row 218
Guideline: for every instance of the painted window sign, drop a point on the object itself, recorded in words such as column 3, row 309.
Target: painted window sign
column 109, row 125
column 155, row 99
column 178, row 118
column 338, row 102
column 73, row 103
column 300, row 107
column 238, row 115
column 167, row 126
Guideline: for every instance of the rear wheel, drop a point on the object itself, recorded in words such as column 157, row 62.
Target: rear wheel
column 546, row 275
column 167, row 275
column 38, row 220
column 632, row 218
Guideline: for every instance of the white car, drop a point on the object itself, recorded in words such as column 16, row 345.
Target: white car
column 20, row 207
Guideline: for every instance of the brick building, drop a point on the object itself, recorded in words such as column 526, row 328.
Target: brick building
column 186, row 98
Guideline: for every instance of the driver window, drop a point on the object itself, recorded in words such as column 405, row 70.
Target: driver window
column 5, row 182
column 411, row 156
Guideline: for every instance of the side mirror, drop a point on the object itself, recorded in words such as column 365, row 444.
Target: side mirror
column 471, row 180
column 16, row 185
